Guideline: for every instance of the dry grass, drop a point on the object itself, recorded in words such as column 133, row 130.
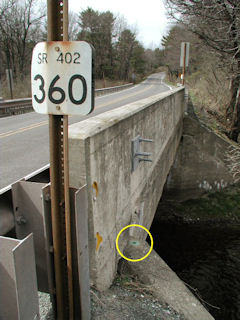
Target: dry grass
column 210, row 94
column 21, row 89
column 233, row 159
column 133, row 283
column 210, row 91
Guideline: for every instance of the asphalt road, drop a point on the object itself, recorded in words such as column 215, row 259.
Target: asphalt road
column 24, row 144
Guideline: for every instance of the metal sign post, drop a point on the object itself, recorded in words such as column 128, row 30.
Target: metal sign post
column 184, row 59
column 62, row 84
column 59, row 176
column 184, row 64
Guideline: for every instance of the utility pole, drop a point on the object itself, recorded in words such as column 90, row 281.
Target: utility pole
column 59, row 177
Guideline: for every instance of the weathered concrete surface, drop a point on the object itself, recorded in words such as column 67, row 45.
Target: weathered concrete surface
column 200, row 165
column 100, row 155
column 163, row 282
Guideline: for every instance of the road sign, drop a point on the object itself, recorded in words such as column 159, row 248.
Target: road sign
column 62, row 78
column 186, row 54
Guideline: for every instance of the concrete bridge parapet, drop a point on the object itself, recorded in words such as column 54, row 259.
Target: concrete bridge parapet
column 201, row 163
column 100, row 150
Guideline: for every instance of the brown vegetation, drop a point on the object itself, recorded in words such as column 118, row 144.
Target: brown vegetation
column 217, row 24
column 208, row 79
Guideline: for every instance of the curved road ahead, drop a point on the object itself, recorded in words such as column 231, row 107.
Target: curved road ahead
column 24, row 144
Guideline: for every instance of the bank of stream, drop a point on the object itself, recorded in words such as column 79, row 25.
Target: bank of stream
column 200, row 240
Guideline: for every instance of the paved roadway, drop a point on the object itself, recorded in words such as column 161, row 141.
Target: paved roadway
column 24, row 144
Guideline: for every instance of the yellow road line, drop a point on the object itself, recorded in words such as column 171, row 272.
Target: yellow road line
column 33, row 126
column 4, row 133
column 43, row 123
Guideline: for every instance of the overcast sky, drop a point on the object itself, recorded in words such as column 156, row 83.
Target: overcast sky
column 149, row 16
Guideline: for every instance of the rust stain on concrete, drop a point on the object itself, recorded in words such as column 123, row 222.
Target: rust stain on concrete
column 99, row 240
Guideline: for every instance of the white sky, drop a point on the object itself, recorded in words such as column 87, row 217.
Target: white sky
column 149, row 16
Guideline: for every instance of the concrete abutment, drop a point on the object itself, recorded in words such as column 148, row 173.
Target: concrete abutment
column 163, row 283
column 101, row 157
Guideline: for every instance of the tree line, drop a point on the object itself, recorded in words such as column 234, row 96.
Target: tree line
column 119, row 55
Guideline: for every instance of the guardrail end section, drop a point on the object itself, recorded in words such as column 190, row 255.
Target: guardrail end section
column 18, row 280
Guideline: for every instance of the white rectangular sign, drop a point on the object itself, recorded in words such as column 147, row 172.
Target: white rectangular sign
column 62, row 78
column 186, row 54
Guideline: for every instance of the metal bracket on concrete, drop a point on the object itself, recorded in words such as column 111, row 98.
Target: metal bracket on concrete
column 32, row 211
column 79, row 223
column 28, row 211
column 18, row 281
column 79, row 206
column 47, row 226
column 7, row 222
column 137, row 155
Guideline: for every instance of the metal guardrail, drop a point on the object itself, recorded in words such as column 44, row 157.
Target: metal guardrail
column 19, row 106
column 100, row 92
column 16, row 106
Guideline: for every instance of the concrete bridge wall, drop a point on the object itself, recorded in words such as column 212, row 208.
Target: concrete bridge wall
column 200, row 165
column 101, row 157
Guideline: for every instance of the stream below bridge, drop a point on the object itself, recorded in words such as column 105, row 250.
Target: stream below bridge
column 207, row 258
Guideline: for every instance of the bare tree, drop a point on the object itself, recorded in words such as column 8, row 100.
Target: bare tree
column 20, row 26
column 153, row 59
column 120, row 24
column 217, row 23
column 73, row 26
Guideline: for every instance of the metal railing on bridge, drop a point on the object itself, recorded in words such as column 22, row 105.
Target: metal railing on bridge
column 24, row 105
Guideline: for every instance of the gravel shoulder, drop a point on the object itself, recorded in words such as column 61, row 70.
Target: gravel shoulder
column 127, row 298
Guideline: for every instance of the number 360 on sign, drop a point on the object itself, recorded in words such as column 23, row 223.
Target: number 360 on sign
column 62, row 78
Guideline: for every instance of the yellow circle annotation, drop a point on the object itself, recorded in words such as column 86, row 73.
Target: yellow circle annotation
column 134, row 225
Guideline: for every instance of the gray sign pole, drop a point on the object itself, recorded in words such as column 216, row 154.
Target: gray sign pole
column 184, row 59
column 184, row 63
